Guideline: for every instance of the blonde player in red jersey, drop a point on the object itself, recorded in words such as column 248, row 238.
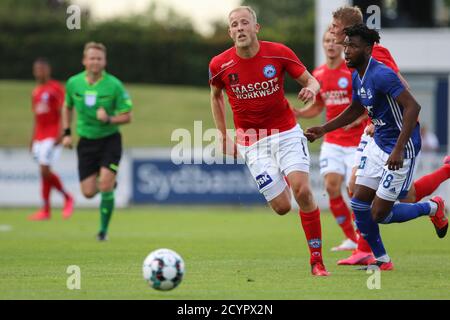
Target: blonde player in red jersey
column 47, row 101
column 344, row 17
column 268, row 136
column 338, row 149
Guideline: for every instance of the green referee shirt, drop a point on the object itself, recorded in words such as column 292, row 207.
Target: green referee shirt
column 108, row 92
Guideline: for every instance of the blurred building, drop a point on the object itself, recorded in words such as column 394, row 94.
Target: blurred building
column 418, row 35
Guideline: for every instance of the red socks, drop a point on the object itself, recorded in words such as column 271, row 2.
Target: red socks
column 343, row 217
column 46, row 188
column 427, row 184
column 47, row 183
column 313, row 233
column 56, row 183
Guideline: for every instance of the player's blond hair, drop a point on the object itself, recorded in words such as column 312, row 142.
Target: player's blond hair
column 349, row 15
column 248, row 8
column 94, row 45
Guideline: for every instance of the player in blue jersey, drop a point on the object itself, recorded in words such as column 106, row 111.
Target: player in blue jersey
column 387, row 165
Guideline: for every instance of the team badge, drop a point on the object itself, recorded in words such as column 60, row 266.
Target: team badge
column 269, row 71
column 233, row 78
column 90, row 98
column 343, row 83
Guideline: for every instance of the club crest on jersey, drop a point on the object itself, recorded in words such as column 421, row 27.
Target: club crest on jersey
column 343, row 83
column 233, row 78
column 365, row 94
column 269, row 71
column 90, row 98
column 263, row 180
column 45, row 97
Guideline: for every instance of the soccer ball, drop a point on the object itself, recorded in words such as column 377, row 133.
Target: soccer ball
column 163, row 269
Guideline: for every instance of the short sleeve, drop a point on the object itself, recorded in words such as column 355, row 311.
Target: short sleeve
column 214, row 78
column 389, row 83
column 123, row 100
column 68, row 96
column 294, row 67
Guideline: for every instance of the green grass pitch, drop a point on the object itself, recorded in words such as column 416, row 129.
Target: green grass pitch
column 158, row 111
column 230, row 253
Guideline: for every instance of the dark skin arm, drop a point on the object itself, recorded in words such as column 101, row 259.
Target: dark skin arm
column 411, row 111
column 353, row 112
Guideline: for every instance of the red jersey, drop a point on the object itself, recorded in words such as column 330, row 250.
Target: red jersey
column 47, row 101
column 383, row 55
column 336, row 95
column 255, row 89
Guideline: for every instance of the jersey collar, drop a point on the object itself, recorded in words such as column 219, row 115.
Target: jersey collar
column 96, row 82
column 365, row 72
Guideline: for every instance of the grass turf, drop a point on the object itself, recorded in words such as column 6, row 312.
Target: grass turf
column 230, row 253
column 158, row 111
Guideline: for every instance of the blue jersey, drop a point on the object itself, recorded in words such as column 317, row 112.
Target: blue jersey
column 377, row 91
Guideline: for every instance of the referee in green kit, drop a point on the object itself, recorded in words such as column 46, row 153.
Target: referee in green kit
column 102, row 104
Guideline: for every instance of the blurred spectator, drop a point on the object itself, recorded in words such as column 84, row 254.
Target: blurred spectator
column 430, row 142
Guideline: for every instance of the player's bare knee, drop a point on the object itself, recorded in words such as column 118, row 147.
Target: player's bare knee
column 304, row 196
column 45, row 172
column 378, row 215
column 282, row 208
column 89, row 193
column 333, row 190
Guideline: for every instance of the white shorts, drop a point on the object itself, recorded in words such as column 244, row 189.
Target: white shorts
column 337, row 159
column 374, row 174
column 274, row 157
column 45, row 152
column 365, row 139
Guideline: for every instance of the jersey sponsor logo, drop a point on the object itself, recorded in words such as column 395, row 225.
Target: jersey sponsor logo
column 343, row 83
column 323, row 163
column 263, row 180
column 315, row 243
column 233, row 78
column 392, row 190
column 90, row 98
column 378, row 122
column 335, row 97
column 269, row 71
column 256, row 90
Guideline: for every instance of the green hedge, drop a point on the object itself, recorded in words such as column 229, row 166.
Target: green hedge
column 151, row 54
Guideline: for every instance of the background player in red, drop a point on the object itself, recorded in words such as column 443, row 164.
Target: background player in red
column 47, row 101
column 338, row 150
column 345, row 17
column 268, row 136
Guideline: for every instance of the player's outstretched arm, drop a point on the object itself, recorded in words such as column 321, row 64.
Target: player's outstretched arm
column 218, row 112
column 411, row 110
column 353, row 112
